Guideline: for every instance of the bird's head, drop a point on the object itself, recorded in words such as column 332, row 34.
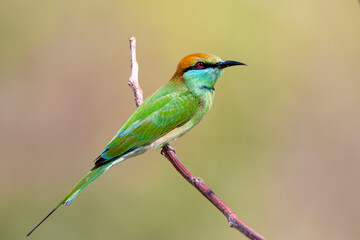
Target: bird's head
column 202, row 70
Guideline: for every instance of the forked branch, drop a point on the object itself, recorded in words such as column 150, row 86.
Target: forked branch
column 169, row 153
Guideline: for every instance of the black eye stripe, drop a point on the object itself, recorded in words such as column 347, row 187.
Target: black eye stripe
column 206, row 65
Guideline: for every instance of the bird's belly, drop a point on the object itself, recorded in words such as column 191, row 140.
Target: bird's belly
column 171, row 136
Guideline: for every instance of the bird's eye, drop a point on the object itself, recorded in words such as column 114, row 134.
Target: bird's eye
column 200, row 65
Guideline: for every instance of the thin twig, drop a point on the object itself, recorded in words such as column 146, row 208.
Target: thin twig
column 169, row 153
column 133, row 80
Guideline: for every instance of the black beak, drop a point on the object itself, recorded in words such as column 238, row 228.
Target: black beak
column 225, row 64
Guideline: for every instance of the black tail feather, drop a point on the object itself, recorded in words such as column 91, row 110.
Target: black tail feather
column 42, row 221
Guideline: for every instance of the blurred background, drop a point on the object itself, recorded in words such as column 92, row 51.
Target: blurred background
column 280, row 145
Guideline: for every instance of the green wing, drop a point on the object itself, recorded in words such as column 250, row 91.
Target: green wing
column 150, row 122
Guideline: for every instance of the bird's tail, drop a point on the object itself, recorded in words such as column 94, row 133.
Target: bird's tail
column 75, row 192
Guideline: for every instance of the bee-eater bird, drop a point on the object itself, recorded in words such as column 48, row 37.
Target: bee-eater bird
column 163, row 117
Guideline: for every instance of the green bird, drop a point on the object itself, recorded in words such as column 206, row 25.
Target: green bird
column 163, row 117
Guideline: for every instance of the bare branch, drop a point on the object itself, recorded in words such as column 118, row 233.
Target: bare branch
column 169, row 152
column 134, row 80
column 199, row 184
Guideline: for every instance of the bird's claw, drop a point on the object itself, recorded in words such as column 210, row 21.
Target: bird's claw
column 167, row 147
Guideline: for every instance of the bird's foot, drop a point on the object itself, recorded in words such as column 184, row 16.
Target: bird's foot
column 167, row 147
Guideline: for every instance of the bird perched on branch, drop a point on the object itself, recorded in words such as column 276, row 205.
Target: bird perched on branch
column 163, row 117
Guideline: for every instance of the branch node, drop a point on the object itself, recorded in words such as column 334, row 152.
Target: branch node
column 197, row 180
column 232, row 222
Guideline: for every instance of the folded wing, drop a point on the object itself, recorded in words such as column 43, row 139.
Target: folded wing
column 149, row 123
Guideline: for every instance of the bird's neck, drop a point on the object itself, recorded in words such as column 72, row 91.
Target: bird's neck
column 203, row 91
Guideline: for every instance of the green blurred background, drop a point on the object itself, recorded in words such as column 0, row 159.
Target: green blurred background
column 280, row 146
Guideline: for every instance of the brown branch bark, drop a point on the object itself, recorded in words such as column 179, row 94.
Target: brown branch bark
column 169, row 152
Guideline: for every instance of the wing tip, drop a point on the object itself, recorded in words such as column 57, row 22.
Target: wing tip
column 100, row 161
